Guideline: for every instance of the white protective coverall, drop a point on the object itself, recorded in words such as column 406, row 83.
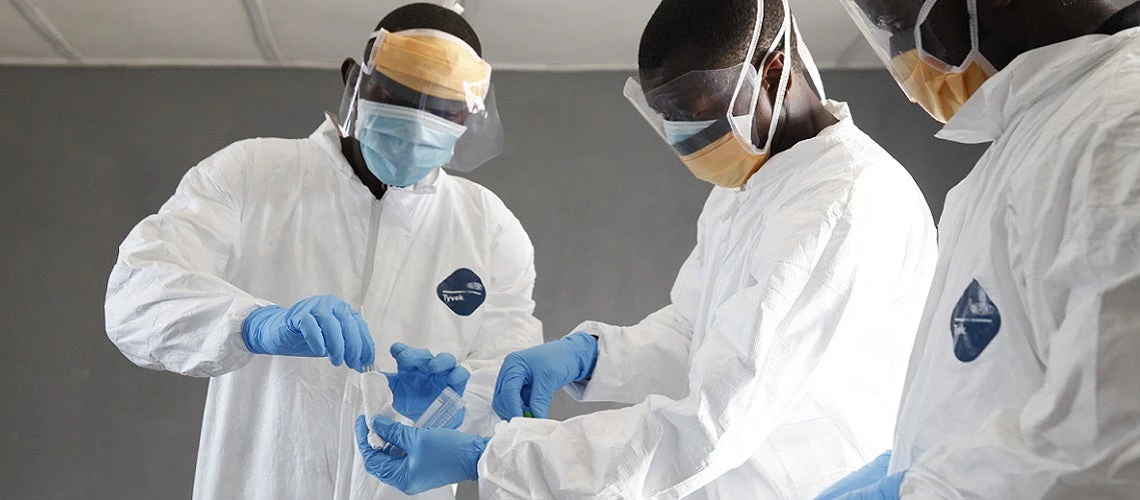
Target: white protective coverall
column 274, row 221
column 1031, row 388
column 778, row 366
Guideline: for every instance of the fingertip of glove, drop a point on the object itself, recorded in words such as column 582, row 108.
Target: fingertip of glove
column 397, row 348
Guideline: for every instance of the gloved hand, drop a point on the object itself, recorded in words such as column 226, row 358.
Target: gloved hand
column 528, row 378
column 886, row 488
column 420, row 377
column 870, row 476
column 314, row 327
column 433, row 457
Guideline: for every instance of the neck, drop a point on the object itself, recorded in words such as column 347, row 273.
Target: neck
column 350, row 148
column 803, row 118
column 1032, row 25
column 1126, row 18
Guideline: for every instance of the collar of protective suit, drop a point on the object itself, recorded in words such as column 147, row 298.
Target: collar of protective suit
column 407, row 203
column 326, row 135
column 803, row 152
column 1031, row 77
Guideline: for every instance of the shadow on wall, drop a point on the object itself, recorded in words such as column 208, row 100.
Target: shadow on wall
column 89, row 152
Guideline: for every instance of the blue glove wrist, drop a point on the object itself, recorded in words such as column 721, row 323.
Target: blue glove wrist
column 862, row 487
column 870, row 475
column 253, row 324
column 585, row 348
column 478, row 446
column 893, row 483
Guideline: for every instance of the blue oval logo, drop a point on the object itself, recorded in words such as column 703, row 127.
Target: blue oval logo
column 974, row 323
column 462, row 292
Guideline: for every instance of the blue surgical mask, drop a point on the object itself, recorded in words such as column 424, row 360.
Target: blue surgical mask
column 402, row 145
column 677, row 132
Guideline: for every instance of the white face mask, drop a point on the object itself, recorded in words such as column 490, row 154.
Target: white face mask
column 427, row 71
column 401, row 145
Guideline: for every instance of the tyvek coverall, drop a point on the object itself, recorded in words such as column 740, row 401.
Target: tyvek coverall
column 778, row 366
column 274, row 221
column 1023, row 381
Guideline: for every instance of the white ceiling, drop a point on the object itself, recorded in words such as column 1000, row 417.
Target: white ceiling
column 516, row 34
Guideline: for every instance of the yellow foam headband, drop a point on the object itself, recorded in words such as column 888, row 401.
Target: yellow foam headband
column 432, row 62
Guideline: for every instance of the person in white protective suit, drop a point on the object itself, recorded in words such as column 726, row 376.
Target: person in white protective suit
column 362, row 240
column 1023, row 381
column 777, row 367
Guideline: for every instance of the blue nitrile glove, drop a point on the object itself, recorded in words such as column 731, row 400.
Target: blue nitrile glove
column 886, row 488
column 867, row 475
column 529, row 378
column 872, row 476
column 433, row 457
column 314, row 328
column 420, row 377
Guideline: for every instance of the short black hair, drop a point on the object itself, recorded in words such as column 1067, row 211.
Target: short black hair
column 719, row 30
column 434, row 17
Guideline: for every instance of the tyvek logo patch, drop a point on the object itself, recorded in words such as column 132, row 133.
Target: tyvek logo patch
column 462, row 292
column 974, row 322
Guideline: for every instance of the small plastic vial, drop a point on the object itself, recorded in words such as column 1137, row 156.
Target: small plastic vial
column 443, row 410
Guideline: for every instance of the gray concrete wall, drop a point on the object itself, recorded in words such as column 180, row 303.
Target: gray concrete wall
column 86, row 153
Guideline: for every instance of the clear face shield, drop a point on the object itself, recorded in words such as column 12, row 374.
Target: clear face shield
column 422, row 96
column 929, row 46
column 708, row 117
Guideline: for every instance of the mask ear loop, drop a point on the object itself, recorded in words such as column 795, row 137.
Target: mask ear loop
column 923, row 13
column 808, row 61
column 785, row 75
column 742, row 126
column 749, row 54
column 975, row 55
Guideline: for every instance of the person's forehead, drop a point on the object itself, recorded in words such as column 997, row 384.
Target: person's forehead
column 680, row 62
